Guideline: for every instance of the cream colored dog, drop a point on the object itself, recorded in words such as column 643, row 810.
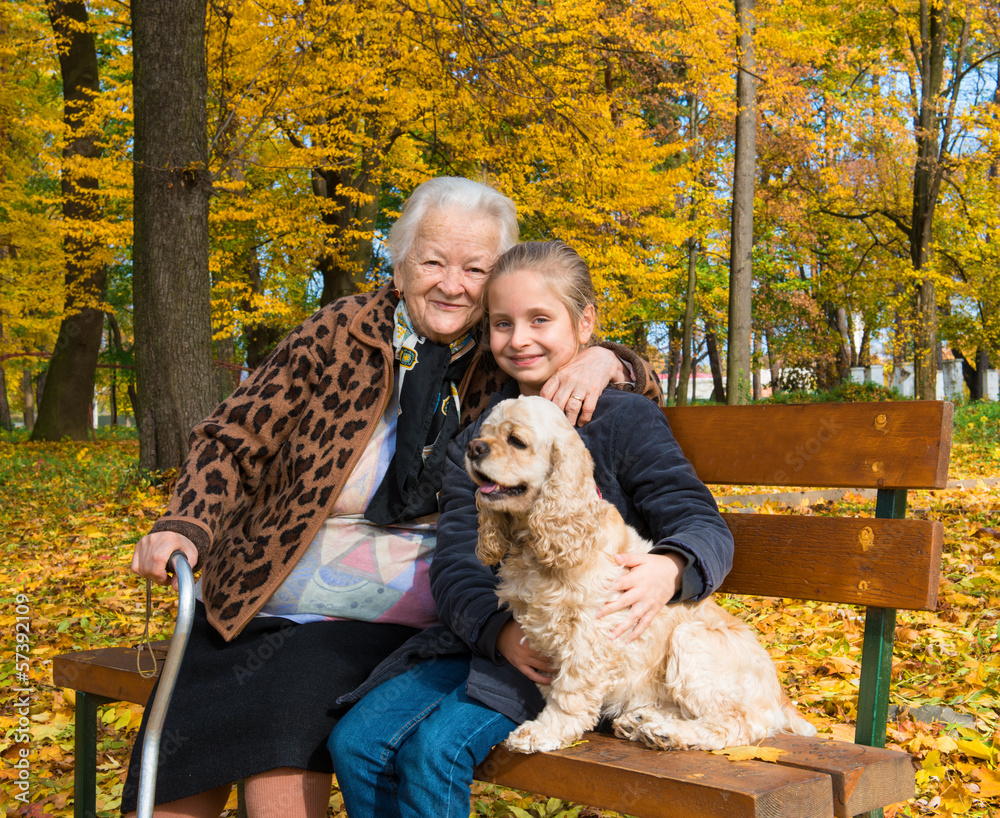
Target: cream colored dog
column 696, row 678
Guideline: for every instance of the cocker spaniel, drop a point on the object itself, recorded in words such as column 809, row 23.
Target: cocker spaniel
column 696, row 678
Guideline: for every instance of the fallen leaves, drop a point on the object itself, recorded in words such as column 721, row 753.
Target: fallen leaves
column 771, row 754
column 70, row 514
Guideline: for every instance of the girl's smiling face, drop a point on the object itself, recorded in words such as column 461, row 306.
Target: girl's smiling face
column 532, row 334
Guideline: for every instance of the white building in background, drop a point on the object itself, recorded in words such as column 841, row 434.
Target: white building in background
column 950, row 384
column 868, row 374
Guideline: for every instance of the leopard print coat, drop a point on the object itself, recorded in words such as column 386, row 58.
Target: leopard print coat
column 265, row 468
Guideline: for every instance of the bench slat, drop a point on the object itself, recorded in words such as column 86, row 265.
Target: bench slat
column 108, row 672
column 856, row 560
column 621, row 775
column 864, row 778
column 902, row 444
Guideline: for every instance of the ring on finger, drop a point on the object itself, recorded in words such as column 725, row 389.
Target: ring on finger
column 576, row 397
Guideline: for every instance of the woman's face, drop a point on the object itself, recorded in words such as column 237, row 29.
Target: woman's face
column 443, row 277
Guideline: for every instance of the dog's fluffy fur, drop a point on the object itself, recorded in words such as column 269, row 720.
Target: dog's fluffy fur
column 696, row 678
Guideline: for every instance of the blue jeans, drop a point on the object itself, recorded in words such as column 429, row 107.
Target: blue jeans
column 409, row 747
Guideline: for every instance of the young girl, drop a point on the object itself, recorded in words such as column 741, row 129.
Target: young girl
column 434, row 709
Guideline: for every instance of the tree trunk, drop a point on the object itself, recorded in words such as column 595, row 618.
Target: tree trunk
column 673, row 365
column 113, row 398
column 988, row 304
column 116, row 340
column 755, row 367
column 28, row 396
column 259, row 337
column 772, row 361
column 839, row 369
column 227, row 372
column 687, row 340
column 714, row 361
column 901, row 341
column 640, row 342
column 932, row 134
column 865, row 350
column 351, row 206
column 691, row 292
column 741, row 239
column 982, row 373
column 974, row 376
column 5, row 420
column 64, row 408
column 170, row 282
column 693, row 386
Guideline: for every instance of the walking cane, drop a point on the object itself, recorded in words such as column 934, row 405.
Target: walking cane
column 154, row 726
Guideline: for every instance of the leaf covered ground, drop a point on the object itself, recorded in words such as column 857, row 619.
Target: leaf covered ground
column 70, row 514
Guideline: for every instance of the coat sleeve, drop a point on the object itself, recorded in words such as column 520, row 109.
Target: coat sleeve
column 677, row 507
column 464, row 589
column 231, row 450
column 647, row 382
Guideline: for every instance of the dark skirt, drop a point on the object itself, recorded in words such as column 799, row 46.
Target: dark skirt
column 263, row 701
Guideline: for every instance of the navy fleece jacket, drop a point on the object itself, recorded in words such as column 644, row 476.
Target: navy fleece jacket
column 639, row 468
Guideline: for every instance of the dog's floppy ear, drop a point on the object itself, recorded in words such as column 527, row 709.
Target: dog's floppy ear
column 493, row 535
column 562, row 519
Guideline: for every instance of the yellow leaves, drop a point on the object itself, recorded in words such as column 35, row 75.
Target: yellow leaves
column 956, row 800
column 931, row 768
column 989, row 782
column 843, row 665
column 962, row 600
column 750, row 753
column 975, row 748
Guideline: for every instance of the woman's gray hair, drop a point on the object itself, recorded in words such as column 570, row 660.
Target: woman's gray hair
column 452, row 193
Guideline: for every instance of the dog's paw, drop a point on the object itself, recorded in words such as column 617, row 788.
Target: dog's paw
column 533, row 738
column 630, row 726
column 646, row 728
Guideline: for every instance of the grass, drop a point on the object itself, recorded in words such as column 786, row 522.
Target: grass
column 71, row 512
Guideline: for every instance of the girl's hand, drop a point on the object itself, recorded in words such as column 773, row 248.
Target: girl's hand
column 153, row 551
column 651, row 582
column 516, row 650
column 576, row 387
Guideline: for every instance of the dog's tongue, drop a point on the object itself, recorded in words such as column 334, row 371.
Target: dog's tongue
column 488, row 488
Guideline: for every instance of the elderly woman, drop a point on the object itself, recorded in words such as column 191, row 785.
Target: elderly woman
column 308, row 501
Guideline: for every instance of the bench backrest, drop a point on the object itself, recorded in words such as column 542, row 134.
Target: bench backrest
column 891, row 446
column 882, row 563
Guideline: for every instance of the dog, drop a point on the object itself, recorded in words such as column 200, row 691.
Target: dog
column 696, row 678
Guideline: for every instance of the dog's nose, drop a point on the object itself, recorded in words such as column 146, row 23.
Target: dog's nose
column 476, row 449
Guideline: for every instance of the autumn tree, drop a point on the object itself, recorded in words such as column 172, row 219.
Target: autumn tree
column 322, row 117
column 172, row 184
column 64, row 410
column 691, row 288
column 933, row 126
column 744, row 174
column 32, row 271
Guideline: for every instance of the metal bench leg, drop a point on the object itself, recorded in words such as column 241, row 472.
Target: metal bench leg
column 876, row 655
column 85, row 747
column 876, row 676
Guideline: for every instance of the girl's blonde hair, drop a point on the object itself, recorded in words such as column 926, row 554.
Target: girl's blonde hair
column 559, row 266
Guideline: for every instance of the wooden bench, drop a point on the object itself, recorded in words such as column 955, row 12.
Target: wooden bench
column 880, row 564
